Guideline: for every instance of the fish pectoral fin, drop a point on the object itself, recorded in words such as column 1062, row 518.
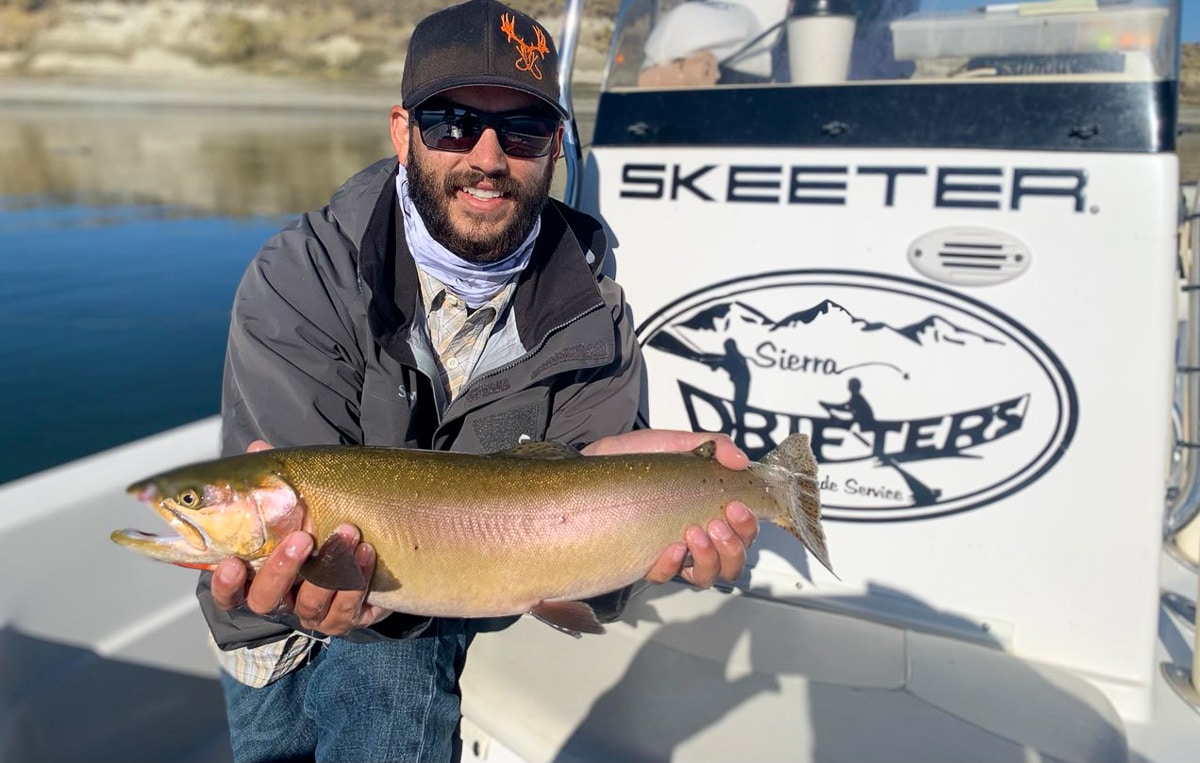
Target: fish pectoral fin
column 570, row 617
column 539, row 451
column 334, row 567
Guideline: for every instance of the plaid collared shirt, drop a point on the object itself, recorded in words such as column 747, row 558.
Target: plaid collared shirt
column 457, row 337
column 261, row 665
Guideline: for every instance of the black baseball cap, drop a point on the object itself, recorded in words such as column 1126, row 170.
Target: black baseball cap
column 481, row 42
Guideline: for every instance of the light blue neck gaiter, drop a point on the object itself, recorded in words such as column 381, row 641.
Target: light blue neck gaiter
column 474, row 284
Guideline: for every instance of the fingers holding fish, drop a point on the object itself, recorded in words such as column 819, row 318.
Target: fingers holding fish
column 273, row 583
column 730, row 547
column 347, row 610
column 669, row 563
column 229, row 583
column 314, row 602
column 669, row 441
column 336, row 612
column 727, row 454
column 702, row 557
column 719, row 549
column 744, row 524
column 706, row 562
column 716, row 551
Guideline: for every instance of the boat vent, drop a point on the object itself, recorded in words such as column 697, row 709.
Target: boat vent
column 969, row 256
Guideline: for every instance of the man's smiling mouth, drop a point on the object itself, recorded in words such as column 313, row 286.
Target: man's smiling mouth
column 481, row 193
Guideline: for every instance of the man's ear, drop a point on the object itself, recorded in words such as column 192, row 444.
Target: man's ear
column 557, row 152
column 401, row 132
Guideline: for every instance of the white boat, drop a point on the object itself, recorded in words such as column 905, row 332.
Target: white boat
column 964, row 265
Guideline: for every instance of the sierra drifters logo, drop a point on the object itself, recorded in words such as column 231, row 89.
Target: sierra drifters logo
column 919, row 401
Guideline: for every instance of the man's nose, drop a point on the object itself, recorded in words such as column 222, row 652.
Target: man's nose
column 487, row 156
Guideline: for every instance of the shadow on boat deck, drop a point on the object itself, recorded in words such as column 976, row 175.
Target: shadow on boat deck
column 63, row 703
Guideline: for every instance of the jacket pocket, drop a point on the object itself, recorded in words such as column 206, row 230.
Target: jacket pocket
column 509, row 421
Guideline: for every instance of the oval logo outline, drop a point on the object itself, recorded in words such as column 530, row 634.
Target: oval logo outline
column 962, row 309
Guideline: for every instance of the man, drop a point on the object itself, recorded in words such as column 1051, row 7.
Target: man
column 440, row 300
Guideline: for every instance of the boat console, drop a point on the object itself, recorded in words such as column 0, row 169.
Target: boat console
column 943, row 239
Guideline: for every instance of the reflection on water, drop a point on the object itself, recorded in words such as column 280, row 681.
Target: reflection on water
column 123, row 233
column 231, row 163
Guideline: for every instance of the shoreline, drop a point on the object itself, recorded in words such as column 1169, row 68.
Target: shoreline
column 254, row 93
column 236, row 92
column 241, row 92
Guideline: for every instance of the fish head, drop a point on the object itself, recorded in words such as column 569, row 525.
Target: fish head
column 216, row 510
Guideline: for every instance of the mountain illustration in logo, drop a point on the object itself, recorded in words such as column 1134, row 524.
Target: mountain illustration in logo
column 726, row 317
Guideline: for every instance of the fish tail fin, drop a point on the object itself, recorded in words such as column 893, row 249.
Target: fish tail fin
column 791, row 472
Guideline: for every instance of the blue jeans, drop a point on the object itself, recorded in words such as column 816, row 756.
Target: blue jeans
column 363, row 702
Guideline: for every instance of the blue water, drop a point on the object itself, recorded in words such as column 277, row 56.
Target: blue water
column 112, row 322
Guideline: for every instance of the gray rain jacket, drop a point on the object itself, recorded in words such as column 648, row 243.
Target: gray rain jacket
column 319, row 353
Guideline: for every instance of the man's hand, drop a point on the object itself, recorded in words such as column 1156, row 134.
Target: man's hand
column 273, row 590
column 718, row 550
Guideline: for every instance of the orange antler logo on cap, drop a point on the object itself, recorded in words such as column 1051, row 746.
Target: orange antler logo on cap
column 528, row 54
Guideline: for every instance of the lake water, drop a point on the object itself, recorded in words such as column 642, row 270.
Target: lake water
column 123, row 233
column 111, row 323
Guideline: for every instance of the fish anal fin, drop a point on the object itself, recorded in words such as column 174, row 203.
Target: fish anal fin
column 570, row 617
column 539, row 451
column 334, row 566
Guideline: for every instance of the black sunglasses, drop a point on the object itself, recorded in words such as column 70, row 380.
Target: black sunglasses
column 457, row 128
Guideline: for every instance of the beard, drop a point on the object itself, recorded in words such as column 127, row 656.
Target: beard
column 476, row 244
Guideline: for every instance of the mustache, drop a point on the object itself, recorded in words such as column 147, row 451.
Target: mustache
column 503, row 183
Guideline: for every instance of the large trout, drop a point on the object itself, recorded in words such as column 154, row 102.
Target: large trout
column 532, row 529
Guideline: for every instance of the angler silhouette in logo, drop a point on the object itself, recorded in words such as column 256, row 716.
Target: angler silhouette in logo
column 734, row 364
column 861, row 422
column 528, row 54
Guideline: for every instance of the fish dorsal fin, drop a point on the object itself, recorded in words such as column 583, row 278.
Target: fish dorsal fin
column 706, row 450
column 539, row 451
column 334, row 567
column 569, row 617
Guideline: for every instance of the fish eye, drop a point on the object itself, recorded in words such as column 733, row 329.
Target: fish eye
column 188, row 499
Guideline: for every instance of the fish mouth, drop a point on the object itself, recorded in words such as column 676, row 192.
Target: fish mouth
column 189, row 542
column 189, row 532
